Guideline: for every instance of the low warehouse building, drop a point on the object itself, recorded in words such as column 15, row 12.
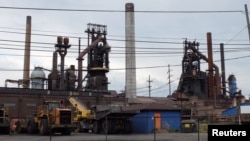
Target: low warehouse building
column 238, row 114
column 154, row 116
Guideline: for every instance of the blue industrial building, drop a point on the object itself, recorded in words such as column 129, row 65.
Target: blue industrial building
column 156, row 116
column 233, row 111
column 238, row 114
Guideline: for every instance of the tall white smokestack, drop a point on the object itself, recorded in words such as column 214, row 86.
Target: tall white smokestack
column 130, row 51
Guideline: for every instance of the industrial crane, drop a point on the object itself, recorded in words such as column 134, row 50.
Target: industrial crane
column 83, row 116
column 108, row 119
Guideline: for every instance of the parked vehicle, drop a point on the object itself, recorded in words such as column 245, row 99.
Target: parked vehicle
column 51, row 117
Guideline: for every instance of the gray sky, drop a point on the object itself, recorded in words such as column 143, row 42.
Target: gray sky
column 165, row 32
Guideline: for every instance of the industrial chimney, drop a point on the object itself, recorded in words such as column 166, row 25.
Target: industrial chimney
column 130, row 51
column 26, row 67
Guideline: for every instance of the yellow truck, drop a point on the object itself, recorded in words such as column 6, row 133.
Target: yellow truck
column 51, row 117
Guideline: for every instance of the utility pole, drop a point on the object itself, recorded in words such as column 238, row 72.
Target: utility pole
column 149, row 86
column 169, row 79
column 248, row 23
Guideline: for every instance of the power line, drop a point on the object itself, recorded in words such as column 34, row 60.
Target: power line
column 140, row 50
column 150, row 67
column 145, row 37
column 119, row 11
column 236, row 35
column 110, row 39
column 144, row 41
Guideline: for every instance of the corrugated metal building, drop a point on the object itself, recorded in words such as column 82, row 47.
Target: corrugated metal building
column 156, row 116
column 238, row 114
column 233, row 111
column 148, row 120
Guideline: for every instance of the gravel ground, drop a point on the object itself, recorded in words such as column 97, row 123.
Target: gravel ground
column 102, row 137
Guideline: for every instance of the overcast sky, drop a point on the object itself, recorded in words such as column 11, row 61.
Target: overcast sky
column 164, row 24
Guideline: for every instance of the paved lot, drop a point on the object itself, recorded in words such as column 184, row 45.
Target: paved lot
column 102, row 137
